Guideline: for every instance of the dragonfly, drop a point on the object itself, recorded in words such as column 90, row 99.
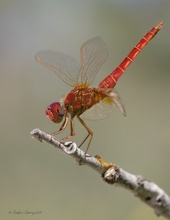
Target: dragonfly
column 84, row 100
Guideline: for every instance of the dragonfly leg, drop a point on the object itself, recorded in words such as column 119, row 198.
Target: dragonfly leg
column 63, row 127
column 90, row 133
column 72, row 133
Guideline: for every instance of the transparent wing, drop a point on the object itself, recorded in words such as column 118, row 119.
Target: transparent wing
column 105, row 107
column 114, row 96
column 66, row 67
column 99, row 111
column 93, row 54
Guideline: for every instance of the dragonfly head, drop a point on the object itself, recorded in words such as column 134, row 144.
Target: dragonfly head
column 55, row 112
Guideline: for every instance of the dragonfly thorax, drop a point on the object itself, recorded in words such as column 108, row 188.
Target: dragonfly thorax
column 81, row 99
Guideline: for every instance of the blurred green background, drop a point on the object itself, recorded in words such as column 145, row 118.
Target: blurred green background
column 35, row 177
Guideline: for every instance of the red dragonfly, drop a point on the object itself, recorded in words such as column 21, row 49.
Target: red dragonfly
column 82, row 99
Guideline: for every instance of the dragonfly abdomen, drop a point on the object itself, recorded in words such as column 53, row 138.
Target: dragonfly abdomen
column 111, row 79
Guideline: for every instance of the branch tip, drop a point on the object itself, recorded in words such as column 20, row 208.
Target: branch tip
column 35, row 134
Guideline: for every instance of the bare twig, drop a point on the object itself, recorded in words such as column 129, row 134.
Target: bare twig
column 145, row 190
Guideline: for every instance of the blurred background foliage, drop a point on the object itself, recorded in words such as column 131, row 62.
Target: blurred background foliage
column 35, row 176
